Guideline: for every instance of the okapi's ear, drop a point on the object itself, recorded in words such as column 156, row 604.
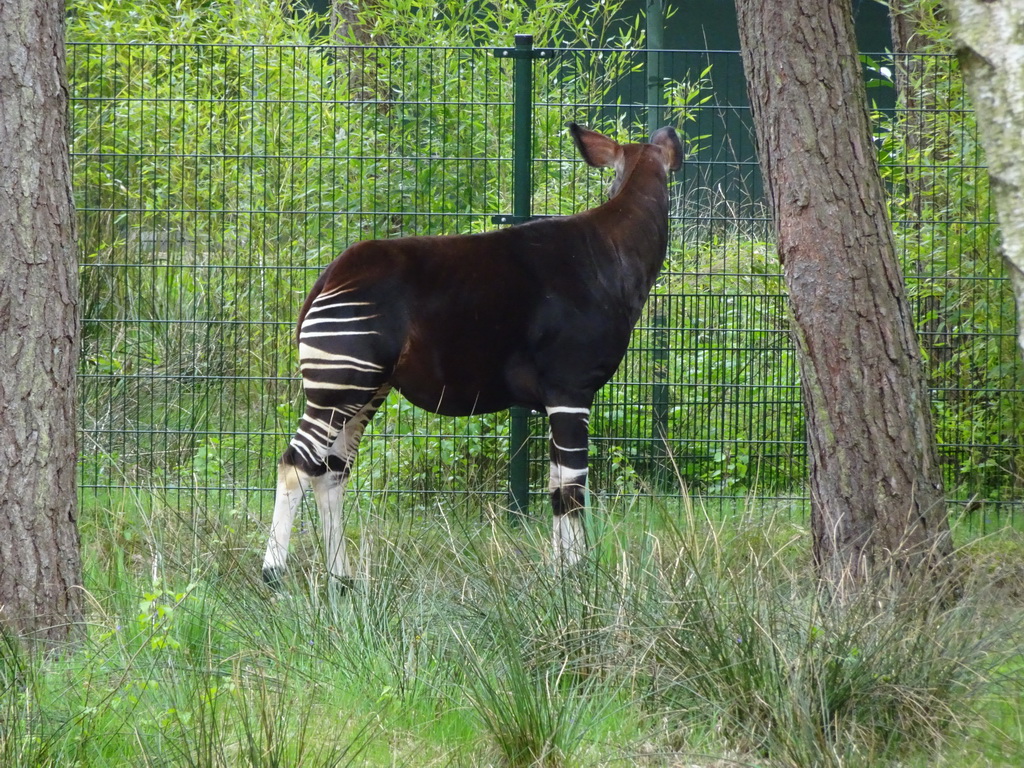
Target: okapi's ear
column 668, row 140
column 599, row 151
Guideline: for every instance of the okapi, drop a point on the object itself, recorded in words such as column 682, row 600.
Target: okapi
column 537, row 315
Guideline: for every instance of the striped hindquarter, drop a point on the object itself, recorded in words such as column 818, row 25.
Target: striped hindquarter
column 344, row 387
column 340, row 378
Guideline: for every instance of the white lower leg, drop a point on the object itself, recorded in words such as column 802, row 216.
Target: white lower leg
column 569, row 535
column 291, row 482
column 329, row 490
column 569, row 539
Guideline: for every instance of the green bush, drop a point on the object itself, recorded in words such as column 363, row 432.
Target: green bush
column 945, row 232
column 215, row 177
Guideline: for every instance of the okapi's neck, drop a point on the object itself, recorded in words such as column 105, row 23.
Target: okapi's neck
column 635, row 220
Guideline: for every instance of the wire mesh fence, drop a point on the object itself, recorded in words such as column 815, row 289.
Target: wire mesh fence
column 215, row 182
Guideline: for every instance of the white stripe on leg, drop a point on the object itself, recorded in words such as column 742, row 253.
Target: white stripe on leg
column 560, row 477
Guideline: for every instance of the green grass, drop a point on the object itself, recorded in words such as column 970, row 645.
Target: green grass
column 688, row 639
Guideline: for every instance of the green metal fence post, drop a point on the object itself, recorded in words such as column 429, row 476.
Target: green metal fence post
column 655, row 76
column 659, row 386
column 523, row 55
column 522, row 184
column 659, row 390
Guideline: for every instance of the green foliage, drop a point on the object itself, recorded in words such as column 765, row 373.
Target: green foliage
column 453, row 23
column 944, row 227
column 682, row 97
column 215, row 180
column 716, row 336
column 185, row 21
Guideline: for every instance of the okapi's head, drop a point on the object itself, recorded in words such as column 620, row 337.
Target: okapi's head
column 664, row 153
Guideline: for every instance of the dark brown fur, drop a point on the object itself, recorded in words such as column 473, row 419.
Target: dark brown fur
column 530, row 315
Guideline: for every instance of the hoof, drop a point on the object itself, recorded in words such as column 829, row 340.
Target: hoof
column 273, row 577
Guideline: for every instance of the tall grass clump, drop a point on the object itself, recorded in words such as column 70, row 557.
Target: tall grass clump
column 750, row 645
column 536, row 650
column 213, row 675
column 685, row 638
column 533, row 714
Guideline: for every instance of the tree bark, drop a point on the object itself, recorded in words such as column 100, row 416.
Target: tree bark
column 876, row 488
column 40, row 569
column 989, row 38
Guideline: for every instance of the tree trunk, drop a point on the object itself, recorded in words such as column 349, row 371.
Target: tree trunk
column 906, row 41
column 876, row 487
column 989, row 38
column 40, row 569
column 907, row 72
column 347, row 28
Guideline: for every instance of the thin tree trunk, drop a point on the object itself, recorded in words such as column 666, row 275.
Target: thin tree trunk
column 907, row 72
column 906, row 41
column 989, row 39
column 347, row 27
column 876, row 487
column 40, row 569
